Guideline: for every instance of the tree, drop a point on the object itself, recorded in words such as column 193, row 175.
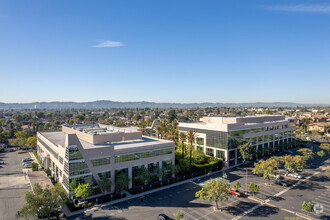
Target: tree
column 191, row 136
column 306, row 152
column 247, row 151
column 171, row 115
column 137, row 117
column 308, row 206
column 43, row 202
column 268, row 168
column 183, row 138
column 215, row 191
column 31, row 141
column 21, row 138
column 74, row 184
column 122, row 181
column 105, row 184
column 83, row 191
column 179, row 215
column 253, row 188
column 321, row 153
column 237, row 185
column 325, row 147
column 145, row 176
column 293, row 163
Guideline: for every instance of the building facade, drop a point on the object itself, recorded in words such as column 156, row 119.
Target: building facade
column 92, row 152
column 220, row 137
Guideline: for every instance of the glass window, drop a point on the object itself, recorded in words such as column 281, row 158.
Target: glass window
column 200, row 141
column 266, row 138
column 210, row 152
column 220, row 154
column 78, row 168
column 101, row 161
column 136, row 156
column 117, row 173
column 260, row 139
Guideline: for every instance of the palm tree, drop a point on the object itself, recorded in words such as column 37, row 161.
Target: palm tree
column 191, row 136
column 183, row 138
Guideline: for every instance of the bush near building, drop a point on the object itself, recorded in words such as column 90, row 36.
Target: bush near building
column 35, row 167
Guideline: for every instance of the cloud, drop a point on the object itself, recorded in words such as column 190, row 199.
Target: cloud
column 107, row 43
column 325, row 8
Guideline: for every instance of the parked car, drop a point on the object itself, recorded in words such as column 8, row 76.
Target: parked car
column 11, row 150
column 27, row 162
column 27, row 165
column 281, row 183
column 276, row 176
column 27, row 159
column 295, row 175
column 288, row 152
column 163, row 217
column 235, row 192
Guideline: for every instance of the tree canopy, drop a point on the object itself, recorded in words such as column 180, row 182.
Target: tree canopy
column 83, row 190
column 247, row 151
column 267, row 168
column 306, row 152
column 215, row 191
column 43, row 202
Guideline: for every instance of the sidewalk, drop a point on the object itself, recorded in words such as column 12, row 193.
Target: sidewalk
column 68, row 213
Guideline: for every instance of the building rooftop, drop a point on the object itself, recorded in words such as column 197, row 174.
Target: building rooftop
column 99, row 129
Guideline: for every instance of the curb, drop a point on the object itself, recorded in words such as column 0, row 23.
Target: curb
column 70, row 214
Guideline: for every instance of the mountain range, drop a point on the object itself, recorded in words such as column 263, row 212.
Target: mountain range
column 105, row 104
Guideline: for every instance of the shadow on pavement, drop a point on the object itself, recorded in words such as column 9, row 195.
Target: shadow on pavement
column 237, row 209
column 263, row 211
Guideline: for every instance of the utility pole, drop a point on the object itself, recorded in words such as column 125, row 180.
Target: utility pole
column 246, row 180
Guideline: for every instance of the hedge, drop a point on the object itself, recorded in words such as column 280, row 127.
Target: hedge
column 213, row 165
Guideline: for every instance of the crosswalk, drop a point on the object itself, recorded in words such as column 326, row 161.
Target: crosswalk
column 322, row 205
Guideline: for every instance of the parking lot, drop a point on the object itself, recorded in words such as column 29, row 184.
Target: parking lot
column 283, row 201
column 13, row 184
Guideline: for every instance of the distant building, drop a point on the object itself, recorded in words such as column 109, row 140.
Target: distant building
column 323, row 127
column 220, row 136
column 88, row 152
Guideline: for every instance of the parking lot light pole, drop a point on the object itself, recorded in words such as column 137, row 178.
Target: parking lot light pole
column 246, row 179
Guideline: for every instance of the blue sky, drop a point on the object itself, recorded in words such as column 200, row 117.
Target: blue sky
column 165, row 50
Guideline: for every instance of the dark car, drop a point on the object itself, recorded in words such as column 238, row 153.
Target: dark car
column 281, row 183
column 11, row 150
column 163, row 217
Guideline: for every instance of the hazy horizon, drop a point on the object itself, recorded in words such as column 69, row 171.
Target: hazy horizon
column 188, row 51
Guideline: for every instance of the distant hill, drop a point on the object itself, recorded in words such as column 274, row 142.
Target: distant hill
column 103, row 104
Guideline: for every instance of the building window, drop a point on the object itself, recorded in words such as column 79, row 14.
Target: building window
column 60, row 159
column 220, row 154
column 210, row 152
column 136, row 156
column 117, row 173
column 136, row 181
column 101, row 161
column 73, row 153
column 49, row 149
column 106, row 174
column 152, row 167
column 78, row 168
column 260, row 139
column 200, row 141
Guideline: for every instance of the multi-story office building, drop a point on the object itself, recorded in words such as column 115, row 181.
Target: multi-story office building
column 220, row 136
column 91, row 152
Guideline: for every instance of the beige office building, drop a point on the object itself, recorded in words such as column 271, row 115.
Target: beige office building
column 91, row 152
column 220, row 136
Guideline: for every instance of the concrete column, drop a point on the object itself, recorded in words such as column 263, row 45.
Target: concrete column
column 112, row 178
column 130, row 176
column 236, row 157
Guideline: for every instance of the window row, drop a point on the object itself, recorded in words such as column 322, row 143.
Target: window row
column 136, row 156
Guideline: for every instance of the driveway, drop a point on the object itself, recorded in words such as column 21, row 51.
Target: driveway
column 13, row 184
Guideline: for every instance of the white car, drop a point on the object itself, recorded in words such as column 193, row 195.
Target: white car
column 27, row 165
column 276, row 176
column 295, row 175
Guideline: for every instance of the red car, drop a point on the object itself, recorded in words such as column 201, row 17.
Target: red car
column 235, row 192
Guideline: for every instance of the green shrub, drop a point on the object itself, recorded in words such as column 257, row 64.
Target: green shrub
column 308, row 206
column 35, row 166
column 179, row 215
column 212, row 165
column 21, row 152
